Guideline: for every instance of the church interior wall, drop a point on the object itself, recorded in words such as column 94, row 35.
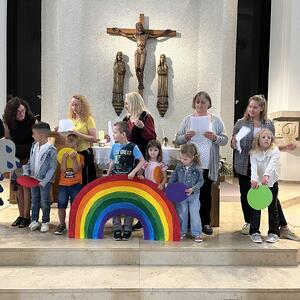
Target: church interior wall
column 78, row 57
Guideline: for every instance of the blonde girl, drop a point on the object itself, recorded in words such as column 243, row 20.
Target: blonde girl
column 264, row 157
column 188, row 172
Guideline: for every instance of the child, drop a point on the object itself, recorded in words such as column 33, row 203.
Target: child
column 70, row 181
column 189, row 173
column 41, row 165
column 263, row 158
column 122, row 161
column 153, row 158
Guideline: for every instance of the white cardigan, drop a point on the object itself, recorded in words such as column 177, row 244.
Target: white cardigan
column 264, row 163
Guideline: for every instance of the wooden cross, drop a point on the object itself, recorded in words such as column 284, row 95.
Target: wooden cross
column 140, row 36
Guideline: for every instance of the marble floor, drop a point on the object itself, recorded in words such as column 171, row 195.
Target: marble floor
column 226, row 265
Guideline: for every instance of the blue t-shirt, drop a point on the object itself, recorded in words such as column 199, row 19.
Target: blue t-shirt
column 124, row 156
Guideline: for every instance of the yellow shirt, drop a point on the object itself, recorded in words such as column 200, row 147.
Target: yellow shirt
column 83, row 127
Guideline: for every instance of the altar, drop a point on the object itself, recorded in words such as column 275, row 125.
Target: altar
column 170, row 156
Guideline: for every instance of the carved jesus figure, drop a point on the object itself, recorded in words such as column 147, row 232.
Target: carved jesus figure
column 140, row 37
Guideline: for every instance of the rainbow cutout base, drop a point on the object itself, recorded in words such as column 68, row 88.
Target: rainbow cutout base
column 108, row 196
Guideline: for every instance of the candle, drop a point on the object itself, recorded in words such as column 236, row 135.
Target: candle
column 101, row 134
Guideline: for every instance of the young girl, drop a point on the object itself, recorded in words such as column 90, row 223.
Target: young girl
column 154, row 169
column 264, row 157
column 189, row 173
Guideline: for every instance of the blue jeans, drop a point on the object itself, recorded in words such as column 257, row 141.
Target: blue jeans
column 190, row 205
column 127, row 223
column 66, row 192
column 40, row 198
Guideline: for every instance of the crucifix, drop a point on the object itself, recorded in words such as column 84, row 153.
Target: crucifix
column 140, row 36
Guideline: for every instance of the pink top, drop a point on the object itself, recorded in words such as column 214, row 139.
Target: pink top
column 150, row 173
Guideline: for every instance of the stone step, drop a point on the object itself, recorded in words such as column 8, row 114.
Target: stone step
column 219, row 250
column 149, row 282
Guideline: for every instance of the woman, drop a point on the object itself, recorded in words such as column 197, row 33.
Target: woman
column 85, row 129
column 209, row 143
column 255, row 118
column 141, row 126
column 18, row 122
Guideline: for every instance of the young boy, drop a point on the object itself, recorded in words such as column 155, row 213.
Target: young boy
column 70, row 181
column 123, row 155
column 41, row 165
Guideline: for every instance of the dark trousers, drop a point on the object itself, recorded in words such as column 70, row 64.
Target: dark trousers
column 273, row 215
column 245, row 186
column 205, row 199
column 88, row 170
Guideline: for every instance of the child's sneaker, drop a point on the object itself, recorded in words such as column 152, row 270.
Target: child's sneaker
column 61, row 229
column 286, row 233
column 117, row 235
column 246, row 228
column 256, row 238
column 126, row 236
column 198, row 239
column 34, row 225
column 182, row 236
column 272, row 238
column 45, row 227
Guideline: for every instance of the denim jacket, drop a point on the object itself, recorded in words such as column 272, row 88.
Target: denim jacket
column 47, row 163
column 191, row 177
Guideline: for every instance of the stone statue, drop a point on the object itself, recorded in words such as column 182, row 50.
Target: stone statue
column 118, row 87
column 162, row 90
column 140, row 37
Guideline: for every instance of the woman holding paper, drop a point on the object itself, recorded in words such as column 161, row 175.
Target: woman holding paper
column 85, row 129
column 244, row 132
column 208, row 132
column 141, row 126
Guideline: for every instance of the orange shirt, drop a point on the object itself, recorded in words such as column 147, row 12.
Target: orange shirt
column 69, row 177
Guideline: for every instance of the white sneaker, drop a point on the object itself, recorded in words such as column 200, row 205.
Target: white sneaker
column 45, row 227
column 246, row 228
column 256, row 238
column 272, row 238
column 34, row 225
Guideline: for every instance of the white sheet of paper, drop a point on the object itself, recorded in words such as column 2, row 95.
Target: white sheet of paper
column 65, row 125
column 110, row 132
column 200, row 124
column 240, row 135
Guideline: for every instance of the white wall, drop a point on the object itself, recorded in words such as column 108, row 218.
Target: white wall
column 78, row 56
column 3, row 12
column 284, row 75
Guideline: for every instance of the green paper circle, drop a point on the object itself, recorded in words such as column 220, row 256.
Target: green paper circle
column 260, row 198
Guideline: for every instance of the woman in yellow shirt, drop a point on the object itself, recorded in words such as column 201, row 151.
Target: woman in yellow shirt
column 85, row 129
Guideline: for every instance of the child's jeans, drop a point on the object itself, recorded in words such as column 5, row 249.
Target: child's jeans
column 40, row 198
column 127, row 223
column 67, row 192
column 190, row 205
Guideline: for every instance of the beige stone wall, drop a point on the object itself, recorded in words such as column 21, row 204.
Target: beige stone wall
column 78, row 56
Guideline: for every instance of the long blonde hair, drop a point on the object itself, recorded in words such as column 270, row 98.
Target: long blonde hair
column 191, row 151
column 136, row 104
column 85, row 111
column 256, row 146
column 261, row 101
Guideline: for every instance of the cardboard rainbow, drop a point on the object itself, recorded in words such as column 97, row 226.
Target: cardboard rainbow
column 105, row 197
